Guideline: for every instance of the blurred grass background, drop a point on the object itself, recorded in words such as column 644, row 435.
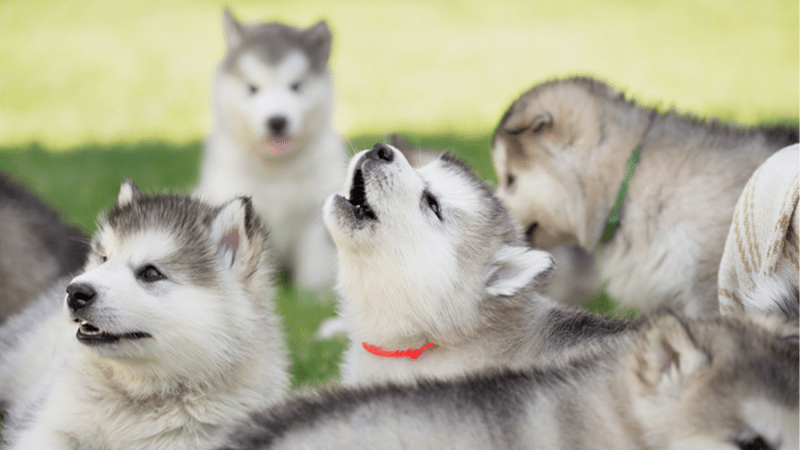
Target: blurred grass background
column 95, row 90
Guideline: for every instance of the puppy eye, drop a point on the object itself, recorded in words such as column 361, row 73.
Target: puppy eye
column 296, row 86
column 756, row 443
column 252, row 89
column 433, row 204
column 150, row 274
column 103, row 258
column 510, row 180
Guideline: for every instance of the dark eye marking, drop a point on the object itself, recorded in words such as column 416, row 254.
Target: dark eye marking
column 252, row 88
column 103, row 258
column 297, row 85
column 433, row 204
column 149, row 274
column 510, row 180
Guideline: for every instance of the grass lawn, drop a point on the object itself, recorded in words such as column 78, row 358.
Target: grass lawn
column 84, row 181
column 93, row 90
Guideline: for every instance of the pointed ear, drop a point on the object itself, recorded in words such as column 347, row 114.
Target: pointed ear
column 516, row 269
column 668, row 353
column 318, row 43
column 528, row 120
column 128, row 193
column 232, row 30
column 230, row 231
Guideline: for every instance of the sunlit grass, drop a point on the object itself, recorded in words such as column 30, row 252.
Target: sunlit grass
column 82, row 182
column 93, row 90
column 78, row 71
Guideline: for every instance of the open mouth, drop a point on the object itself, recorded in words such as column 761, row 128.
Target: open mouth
column 280, row 146
column 92, row 335
column 358, row 198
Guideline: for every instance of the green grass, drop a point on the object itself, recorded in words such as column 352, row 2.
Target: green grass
column 78, row 71
column 93, row 90
column 83, row 181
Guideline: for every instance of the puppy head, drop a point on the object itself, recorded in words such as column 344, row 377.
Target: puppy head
column 273, row 87
column 419, row 248
column 544, row 154
column 171, row 284
column 726, row 383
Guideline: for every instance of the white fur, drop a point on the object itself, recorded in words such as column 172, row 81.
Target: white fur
column 513, row 268
column 288, row 189
column 214, row 354
column 409, row 278
column 561, row 154
column 775, row 424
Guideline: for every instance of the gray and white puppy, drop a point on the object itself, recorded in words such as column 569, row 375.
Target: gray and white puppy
column 168, row 336
column 727, row 383
column 36, row 247
column 430, row 256
column 561, row 153
column 273, row 139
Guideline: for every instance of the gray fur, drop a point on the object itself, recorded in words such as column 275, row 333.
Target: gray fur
column 273, row 139
column 589, row 403
column 409, row 277
column 680, row 200
column 272, row 41
column 36, row 247
column 196, row 347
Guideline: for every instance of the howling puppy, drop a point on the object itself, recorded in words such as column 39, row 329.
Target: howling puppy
column 168, row 336
column 436, row 280
column 273, row 139
column 652, row 194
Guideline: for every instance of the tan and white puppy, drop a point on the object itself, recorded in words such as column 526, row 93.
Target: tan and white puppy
column 168, row 337
column 561, row 153
column 273, row 139
column 431, row 256
column 725, row 384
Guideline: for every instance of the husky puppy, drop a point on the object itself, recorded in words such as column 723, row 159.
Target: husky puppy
column 36, row 247
column 573, row 282
column 728, row 383
column 432, row 265
column 273, row 139
column 168, row 336
column 562, row 152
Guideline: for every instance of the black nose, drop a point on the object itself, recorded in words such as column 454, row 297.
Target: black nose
column 381, row 152
column 80, row 295
column 277, row 124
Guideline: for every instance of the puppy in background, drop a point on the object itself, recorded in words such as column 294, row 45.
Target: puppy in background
column 650, row 194
column 273, row 139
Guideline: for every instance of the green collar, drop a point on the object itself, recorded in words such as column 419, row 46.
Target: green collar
column 613, row 219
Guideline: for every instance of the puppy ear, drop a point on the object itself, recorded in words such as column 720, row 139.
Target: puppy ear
column 230, row 231
column 516, row 269
column 668, row 353
column 523, row 120
column 128, row 193
column 318, row 43
column 232, row 30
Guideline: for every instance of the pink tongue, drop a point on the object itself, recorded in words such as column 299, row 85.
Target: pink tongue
column 280, row 146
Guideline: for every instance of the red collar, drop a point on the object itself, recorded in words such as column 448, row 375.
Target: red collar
column 412, row 353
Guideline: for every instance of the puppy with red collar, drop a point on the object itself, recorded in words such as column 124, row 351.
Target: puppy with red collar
column 435, row 279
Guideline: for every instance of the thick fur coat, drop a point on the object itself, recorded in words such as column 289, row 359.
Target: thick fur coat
column 561, row 153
